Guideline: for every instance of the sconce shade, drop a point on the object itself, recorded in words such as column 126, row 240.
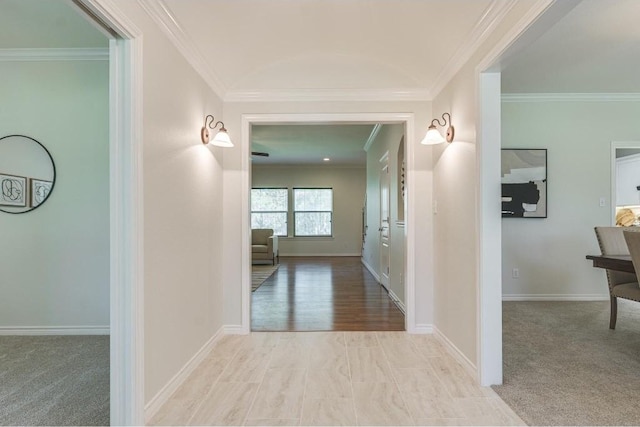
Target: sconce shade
column 432, row 137
column 222, row 139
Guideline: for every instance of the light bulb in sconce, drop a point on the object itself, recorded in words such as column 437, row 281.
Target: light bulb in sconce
column 434, row 136
column 221, row 139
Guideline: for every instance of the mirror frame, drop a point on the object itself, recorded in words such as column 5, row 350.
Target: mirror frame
column 53, row 165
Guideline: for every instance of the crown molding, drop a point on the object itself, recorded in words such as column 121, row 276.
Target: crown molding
column 84, row 54
column 332, row 95
column 165, row 19
column 570, row 97
column 372, row 137
column 490, row 19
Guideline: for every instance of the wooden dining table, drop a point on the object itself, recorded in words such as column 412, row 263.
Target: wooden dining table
column 613, row 262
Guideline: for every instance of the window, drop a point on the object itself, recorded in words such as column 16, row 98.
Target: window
column 312, row 211
column 269, row 207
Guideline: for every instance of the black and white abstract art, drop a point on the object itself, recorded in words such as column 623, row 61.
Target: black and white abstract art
column 13, row 190
column 524, row 183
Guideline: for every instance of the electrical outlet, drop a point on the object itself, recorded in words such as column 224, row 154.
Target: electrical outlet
column 603, row 202
column 515, row 273
column 435, row 207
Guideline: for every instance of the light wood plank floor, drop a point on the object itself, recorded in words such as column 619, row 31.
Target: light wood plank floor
column 332, row 378
column 323, row 294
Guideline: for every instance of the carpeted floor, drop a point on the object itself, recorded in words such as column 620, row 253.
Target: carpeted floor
column 54, row 380
column 260, row 273
column 564, row 366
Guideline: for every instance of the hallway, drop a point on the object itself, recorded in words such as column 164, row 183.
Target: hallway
column 323, row 294
column 332, row 378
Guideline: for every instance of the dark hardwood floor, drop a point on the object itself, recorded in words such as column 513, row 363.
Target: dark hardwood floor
column 323, row 294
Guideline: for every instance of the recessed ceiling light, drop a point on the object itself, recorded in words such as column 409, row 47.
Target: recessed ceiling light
column 326, row 159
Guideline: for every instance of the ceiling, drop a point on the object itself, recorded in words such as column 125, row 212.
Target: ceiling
column 328, row 44
column 595, row 48
column 310, row 144
column 46, row 24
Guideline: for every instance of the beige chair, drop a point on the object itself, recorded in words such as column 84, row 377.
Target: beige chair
column 264, row 245
column 621, row 284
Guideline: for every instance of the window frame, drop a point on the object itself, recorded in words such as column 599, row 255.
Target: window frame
column 286, row 212
column 294, row 211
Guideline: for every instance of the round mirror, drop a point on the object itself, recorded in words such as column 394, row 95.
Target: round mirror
column 27, row 174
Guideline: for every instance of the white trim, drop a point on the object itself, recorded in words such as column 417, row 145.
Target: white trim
column 571, row 97
column 248, row 119
column 235, row 330
column 126, row 215
column 490, row 19
column 93, row 54
column 298, row 254
column 555, row 297
column 54, row 330
column 166, row 20
column 397, row 301
column 371, row 270
column 372, row 137
column 154, row 405
column 327, row 95
column 456, row 353
column 423, row 329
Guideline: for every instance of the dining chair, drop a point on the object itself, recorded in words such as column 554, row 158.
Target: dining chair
column 632, row 237
column 621, row 285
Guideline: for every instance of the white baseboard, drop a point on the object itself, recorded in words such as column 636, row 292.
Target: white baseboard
column 555, row 297
column 423, row 328
column 235, row 330
column 320, row 254
column 371, row 270
column 154, row 405
column 397, row 302
column 54, row 330
column 469, row 366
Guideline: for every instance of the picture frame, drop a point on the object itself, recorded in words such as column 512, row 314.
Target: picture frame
column 13, row 190
column 40, row 190
column 524, row 182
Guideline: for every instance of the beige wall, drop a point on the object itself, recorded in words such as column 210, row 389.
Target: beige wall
column 54, row 260
column 183, row 295
column 550, row 252
column 348, row 186
column 387, row 141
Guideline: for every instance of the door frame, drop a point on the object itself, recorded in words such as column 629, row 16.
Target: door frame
column 614, row 177
column 126, row 213
column 407, row 119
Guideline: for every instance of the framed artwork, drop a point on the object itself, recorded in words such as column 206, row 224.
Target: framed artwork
column 524, row 183
column 13, row 190
column 39, row 191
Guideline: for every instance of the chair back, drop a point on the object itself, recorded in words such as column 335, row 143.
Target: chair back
column 612, row 242
column 633, row 242
column 260, row 236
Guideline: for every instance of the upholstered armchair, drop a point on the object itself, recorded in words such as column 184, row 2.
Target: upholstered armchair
column 621, row 284
column 264, row 245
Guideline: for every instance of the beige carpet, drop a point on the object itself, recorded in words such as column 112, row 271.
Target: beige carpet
column 260, row 273
column 564, row 366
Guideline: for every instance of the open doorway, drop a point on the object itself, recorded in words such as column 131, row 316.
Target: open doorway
column 317, row 186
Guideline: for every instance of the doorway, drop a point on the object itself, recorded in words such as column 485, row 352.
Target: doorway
column 252, row 120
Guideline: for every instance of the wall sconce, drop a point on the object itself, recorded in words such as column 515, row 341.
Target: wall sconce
column 222, row 137
column 434, row 136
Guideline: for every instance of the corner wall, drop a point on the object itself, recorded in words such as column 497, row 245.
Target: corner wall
column 55, row 259
column 550, row 253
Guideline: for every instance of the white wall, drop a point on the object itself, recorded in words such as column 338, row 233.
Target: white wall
column 233, row 212
column 183, row 252
column 550, row 253
column 387, row 141
column 348, row 186
column 55, row 259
